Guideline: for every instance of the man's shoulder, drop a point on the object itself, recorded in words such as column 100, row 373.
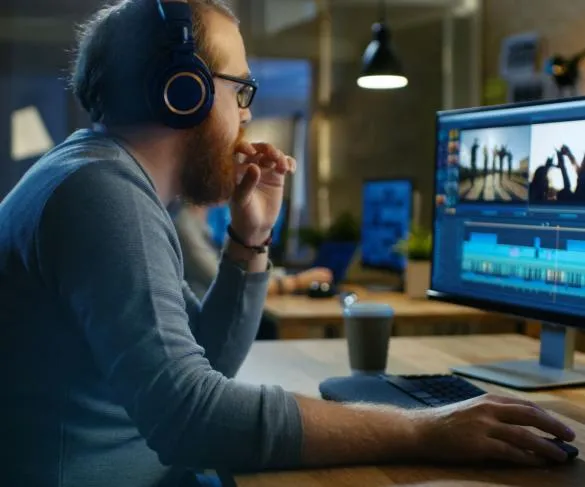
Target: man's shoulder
column 82, row 169
column 85, row 164
column 90, row 162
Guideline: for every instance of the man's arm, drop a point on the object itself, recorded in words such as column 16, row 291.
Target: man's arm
column 488, row 428
column 225, row 322
column 105, row 249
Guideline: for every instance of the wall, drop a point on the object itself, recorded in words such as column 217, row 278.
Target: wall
column 561, row 23
column 379, row 134
column 374, row 134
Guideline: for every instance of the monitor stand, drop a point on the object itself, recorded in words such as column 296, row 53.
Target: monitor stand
column 554, row 368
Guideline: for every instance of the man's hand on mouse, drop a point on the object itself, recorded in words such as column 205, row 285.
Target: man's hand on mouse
column 489, row 428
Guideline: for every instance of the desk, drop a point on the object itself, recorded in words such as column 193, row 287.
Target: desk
column 300, row 366
column 303, row 317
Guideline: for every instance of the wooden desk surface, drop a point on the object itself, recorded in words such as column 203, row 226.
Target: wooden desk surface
column 296, row 307
column 300, row 366
column 300, row 317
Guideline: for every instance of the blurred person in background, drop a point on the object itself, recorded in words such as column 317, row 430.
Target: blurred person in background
column 201, row 257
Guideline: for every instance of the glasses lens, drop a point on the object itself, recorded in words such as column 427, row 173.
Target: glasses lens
column 245, row 96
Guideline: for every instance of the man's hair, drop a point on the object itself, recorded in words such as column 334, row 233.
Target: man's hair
column 117, row 47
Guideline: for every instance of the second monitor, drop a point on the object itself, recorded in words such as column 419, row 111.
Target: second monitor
column 386, row 216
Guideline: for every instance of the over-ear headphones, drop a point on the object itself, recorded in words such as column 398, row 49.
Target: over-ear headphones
column 180, row 89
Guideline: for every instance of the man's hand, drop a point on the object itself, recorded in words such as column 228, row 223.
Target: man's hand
column 305, row 278
column 258, row 196
column 490, row 428
column 484, row 429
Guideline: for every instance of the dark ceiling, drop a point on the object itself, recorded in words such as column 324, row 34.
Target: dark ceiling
column 47, row 8
column 36, row 35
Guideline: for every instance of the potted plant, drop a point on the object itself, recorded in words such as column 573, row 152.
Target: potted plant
column 344, row 229
column 417, row 248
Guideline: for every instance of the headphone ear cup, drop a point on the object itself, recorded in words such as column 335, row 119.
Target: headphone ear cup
column 181, row 95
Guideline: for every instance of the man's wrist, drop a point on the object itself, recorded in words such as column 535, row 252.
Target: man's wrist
column 247, row 259
column 256, row 239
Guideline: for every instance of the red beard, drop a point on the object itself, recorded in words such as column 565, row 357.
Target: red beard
column 209, row 172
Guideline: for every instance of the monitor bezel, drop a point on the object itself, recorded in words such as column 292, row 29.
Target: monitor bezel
column 522, row 312
column 387, row 268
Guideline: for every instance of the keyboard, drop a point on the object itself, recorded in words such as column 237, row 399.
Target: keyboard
column 408, row 391
column 435, row 390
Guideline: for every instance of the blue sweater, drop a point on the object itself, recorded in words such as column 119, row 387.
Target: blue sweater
column 111, row 371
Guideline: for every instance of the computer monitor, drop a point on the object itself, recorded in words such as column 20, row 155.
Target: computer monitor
column 386, row 217
column 509, row 227
column 218, row 219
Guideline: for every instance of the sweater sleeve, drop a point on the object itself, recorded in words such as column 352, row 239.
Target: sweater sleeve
column 226, row 332
column 105, row 247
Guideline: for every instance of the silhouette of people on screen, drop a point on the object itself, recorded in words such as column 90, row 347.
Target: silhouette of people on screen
column 486, row 160
column 502, row 152
column 474, row 149
column 510, row 158
column 539, row 186
column 563, row 182
column 495, row 157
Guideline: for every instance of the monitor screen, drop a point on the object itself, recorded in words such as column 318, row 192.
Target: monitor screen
column 386, row 216
column 509, row 226
column 218, row 219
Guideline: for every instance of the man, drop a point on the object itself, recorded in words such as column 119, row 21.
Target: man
column 201, row 257
column 112, row 373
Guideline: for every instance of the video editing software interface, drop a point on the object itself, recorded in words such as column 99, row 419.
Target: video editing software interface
column 510, row 206
column 385, row 221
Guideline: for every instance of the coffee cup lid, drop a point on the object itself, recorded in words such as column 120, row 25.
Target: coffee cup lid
column 365, row 309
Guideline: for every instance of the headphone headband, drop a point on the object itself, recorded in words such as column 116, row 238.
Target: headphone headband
column 181, row 92
column 177, row 16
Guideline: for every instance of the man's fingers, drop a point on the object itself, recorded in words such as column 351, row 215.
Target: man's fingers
column 292, row 164
column 245, row 148
column 246, row 185
column 522, row 415
column 268, row 150
column 283, row 165
column 268, row 157
column 501, row 450
column 512, row 400
column 527, row 441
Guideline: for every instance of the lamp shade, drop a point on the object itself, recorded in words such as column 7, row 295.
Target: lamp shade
column 381, row 68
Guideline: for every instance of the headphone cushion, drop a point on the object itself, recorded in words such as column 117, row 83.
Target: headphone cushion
column 181, row 95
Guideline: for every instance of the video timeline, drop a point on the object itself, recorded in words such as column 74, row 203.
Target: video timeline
column 539, row 259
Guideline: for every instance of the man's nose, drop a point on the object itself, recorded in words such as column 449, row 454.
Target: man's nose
column 245, row 116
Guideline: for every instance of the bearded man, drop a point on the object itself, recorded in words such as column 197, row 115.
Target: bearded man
column 113, row 373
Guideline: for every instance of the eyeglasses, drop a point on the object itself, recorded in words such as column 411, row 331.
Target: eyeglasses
column 247, row 91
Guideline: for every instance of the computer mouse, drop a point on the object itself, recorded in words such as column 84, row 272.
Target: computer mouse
column 571, row 451
column 320, row 290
